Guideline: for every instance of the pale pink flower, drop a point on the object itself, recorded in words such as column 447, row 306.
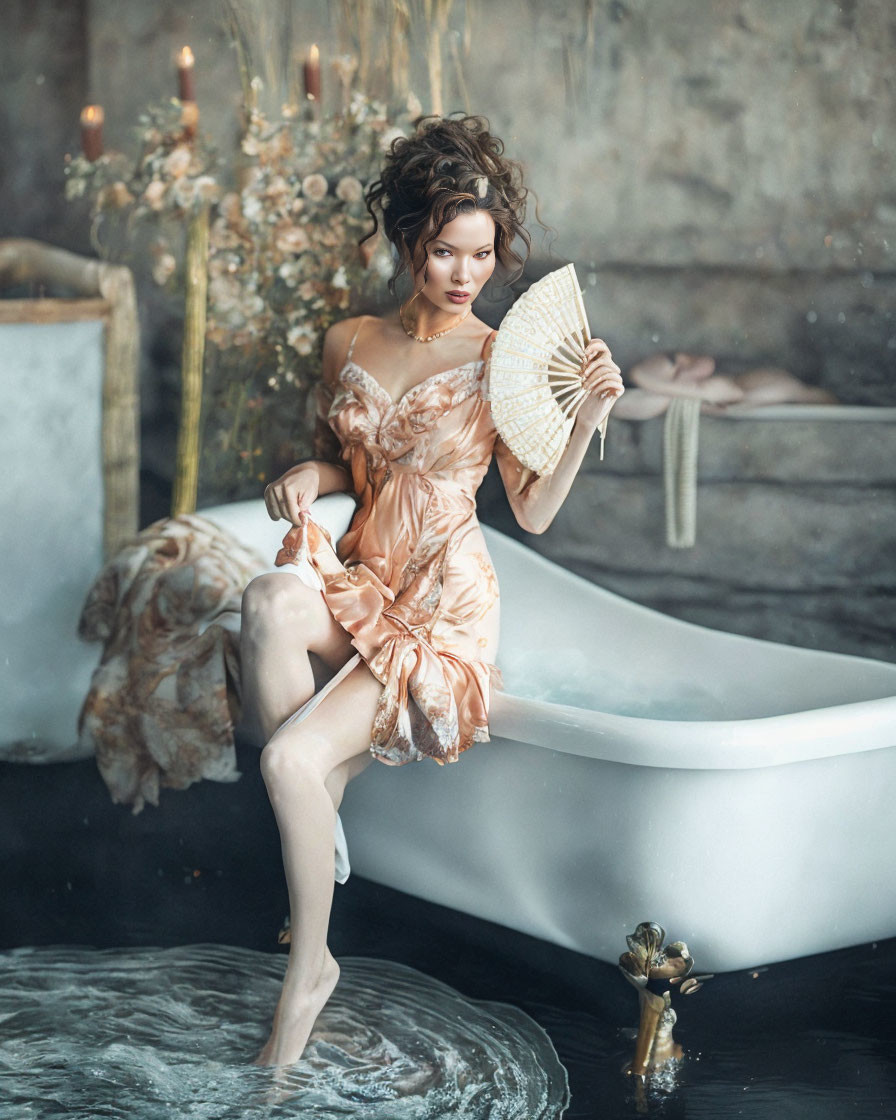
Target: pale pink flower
column 207, row 189
column 349, row 189
column 154, row 195
column 230, row 207
column 178, row 162
column 115, row 195
column 314, row 187
column 292, row 239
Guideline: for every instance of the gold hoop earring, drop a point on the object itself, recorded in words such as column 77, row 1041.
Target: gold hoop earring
column 405, row 306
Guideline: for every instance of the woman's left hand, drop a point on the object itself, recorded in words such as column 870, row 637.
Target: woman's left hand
column 602, row 379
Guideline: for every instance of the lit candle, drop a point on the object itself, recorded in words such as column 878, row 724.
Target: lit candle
column 312, row 74
column 92, row 131
column 185, row 61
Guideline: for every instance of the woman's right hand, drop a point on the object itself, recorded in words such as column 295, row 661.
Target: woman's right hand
column 291, row 495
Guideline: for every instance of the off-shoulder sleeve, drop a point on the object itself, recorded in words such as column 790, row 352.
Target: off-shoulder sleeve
column 325, row 443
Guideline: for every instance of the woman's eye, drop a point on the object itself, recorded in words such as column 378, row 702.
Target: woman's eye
column 481, row 255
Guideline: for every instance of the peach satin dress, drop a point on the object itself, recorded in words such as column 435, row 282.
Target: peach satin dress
column 411, row 580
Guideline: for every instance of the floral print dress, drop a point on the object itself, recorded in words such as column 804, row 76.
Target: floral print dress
column 411, row 580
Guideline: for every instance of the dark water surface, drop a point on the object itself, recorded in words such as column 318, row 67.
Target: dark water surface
column 813, row 1038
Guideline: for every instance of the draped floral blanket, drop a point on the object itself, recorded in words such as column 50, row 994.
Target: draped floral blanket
column 165, row 697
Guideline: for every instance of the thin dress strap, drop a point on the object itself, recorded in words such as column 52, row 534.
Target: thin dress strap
column 348, row 356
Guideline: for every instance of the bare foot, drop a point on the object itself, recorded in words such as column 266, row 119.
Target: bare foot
column 295, row 1017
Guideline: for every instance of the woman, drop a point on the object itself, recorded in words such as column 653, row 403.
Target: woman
column 409, row 594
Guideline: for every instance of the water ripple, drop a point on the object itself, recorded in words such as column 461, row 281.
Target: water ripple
column 143, row 1033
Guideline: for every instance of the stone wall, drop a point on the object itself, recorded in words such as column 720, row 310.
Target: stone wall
column 722, row 175
column 43, row 79
column 741, row 132
column 796, row 529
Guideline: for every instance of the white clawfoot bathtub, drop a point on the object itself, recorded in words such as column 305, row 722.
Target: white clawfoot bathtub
column 737, row 791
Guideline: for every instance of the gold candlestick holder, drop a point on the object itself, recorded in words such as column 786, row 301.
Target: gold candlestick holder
column 186, row 479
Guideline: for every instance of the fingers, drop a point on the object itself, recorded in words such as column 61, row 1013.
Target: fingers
column 280, row 503
column 272, row 503
column 597, row 348
column 603, row 379
column 599, row 372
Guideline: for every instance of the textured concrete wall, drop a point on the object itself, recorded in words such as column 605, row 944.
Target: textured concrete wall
column 796, row 529
column 732, row 132
column 43, row 78
column 720, row 171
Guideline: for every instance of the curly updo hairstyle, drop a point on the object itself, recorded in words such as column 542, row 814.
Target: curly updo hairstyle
column 448, row 167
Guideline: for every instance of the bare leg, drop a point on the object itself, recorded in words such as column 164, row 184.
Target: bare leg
column 305, row 767
column 283, row 620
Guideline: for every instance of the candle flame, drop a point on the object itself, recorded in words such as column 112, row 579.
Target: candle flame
column 92, row 115
column 185, row 58
column 314, row 54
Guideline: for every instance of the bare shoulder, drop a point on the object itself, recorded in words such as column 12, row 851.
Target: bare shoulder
column 487, row 340
column 341, row 332
column 337, row 340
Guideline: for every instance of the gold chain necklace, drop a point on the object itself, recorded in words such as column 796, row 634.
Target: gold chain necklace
column 438, row 334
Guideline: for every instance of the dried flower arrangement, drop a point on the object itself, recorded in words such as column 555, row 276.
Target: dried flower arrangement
column 283, row 260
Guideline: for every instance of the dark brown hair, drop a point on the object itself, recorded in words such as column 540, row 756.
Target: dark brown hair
column 447, row 167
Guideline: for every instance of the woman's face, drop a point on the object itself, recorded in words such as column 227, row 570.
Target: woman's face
column 459, row 260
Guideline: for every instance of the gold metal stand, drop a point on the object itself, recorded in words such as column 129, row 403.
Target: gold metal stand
column 186, row 479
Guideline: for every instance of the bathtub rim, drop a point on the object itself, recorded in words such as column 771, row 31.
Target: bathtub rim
column 737, row 744
column 798, row 411
column 748, row 744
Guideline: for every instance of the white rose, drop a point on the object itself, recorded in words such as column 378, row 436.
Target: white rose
column 74, row 188
column 223, row 293
column 184, row 191
column 252, row 208
column 301, row 339
column 163, row 268
column 388, row 136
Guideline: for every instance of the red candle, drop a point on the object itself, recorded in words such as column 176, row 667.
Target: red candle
column 185, row 61
column 92, row 131
column 312, row 74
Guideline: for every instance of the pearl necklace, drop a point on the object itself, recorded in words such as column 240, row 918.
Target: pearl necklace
column 438, row 334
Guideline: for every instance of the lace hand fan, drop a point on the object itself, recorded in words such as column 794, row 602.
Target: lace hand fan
column 535, row 372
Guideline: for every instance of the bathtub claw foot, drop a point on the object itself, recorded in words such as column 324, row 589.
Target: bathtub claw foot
column 646, row 962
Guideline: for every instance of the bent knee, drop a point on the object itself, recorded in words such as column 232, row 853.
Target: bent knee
column 288, row 758
column 273, row 600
